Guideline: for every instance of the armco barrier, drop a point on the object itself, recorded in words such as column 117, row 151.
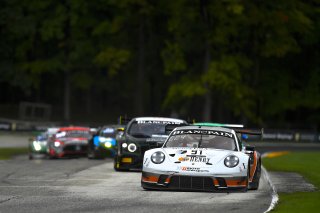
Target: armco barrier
column 18, row 125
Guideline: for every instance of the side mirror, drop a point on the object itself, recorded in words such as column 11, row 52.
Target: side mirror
column 250, row 148
column 244, row 136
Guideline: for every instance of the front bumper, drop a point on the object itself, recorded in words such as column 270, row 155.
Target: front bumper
column 191, row 183
column 69, row 150
column 129, row 162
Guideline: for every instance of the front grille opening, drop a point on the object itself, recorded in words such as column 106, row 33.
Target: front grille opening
column 191, row 182
column 222, row 182
column 162, row 179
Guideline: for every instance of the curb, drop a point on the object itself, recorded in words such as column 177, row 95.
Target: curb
column 274, row 194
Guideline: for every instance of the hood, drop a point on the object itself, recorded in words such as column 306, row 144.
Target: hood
column 152, row 139
column 196, row 156
column 74, row 140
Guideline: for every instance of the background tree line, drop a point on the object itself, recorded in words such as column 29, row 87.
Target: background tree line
column 249, row 61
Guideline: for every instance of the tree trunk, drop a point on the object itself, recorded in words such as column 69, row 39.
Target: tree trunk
column 207, row 97
column 67, row 96
column 139, row 99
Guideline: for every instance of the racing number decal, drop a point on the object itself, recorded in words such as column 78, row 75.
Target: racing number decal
column 194, row 152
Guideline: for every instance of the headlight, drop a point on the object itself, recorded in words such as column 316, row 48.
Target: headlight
column 36, row 145
column 157, row 157
column 108, row 145
column 57, row 143
column 124, row 145
column 132, row 147
column 231, row 161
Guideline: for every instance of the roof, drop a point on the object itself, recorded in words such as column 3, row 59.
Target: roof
column 159, row 119
column 70, row 128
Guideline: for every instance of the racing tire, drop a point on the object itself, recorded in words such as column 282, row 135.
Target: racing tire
column 91, row 154
column 254, row 185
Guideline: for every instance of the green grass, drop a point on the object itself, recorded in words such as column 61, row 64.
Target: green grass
column 308, row 165
column 7, row 153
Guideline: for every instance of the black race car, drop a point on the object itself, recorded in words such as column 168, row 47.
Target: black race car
column 103, row 143
column 140, row 135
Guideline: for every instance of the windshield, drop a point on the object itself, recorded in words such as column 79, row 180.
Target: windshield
column 108, row 133
column 147, row 130
column 202, row 139
column 73, row 134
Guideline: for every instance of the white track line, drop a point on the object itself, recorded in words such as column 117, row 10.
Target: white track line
column 274, row 194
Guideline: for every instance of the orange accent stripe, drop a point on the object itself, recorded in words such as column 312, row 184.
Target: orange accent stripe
column 215, row 182
column 236, row 182
column 253, row 169
column 150, row 179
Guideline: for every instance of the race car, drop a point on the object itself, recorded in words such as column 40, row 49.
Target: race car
column 103, row 143
column 69, row 141
column 38, row 146
column 140, row 135
column 202, row 158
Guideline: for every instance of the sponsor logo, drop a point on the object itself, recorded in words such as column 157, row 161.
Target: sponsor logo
column 194, row 159
column 199, row 159
column 184, row 159
column 192, row 169
column 157, row 122
column 203, row 132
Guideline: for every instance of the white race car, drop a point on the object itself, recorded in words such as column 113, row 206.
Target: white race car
column 202, row 158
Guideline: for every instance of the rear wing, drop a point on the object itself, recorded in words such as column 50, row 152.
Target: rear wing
column 249, row 131
column 219, row 125
column 170, row 127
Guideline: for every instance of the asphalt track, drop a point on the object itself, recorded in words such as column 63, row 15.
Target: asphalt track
column 82, row 185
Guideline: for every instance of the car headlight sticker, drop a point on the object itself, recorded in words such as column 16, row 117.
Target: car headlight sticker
column 157, row 157
column 231, row 161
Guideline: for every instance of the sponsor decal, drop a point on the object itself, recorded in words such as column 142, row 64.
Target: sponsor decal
column 183, row 159
column 199, row 159
column 203, row 132
column 157, row 122
column 192, row 169
column 194, row 159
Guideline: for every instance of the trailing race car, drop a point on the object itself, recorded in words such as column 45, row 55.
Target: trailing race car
column 38, row 146
column 202, row 158
column 140, row 135
column 69, row 141
column 103, row 143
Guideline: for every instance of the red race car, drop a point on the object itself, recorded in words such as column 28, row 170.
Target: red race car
column 69, row 141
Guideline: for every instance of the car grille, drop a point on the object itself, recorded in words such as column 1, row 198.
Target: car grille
column 191, row 182
column 75, row 148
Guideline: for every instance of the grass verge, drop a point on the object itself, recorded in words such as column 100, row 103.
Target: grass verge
column 308, row 165
column 7, row 153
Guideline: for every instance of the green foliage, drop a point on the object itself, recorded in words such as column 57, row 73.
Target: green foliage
column 307, row 164
column 260, row 56
column 112, row 58
column 7, row 153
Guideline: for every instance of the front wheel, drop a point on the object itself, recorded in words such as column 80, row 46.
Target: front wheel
column 254, row 185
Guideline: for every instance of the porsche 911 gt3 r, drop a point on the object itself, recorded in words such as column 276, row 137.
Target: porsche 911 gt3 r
column 201, row 158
